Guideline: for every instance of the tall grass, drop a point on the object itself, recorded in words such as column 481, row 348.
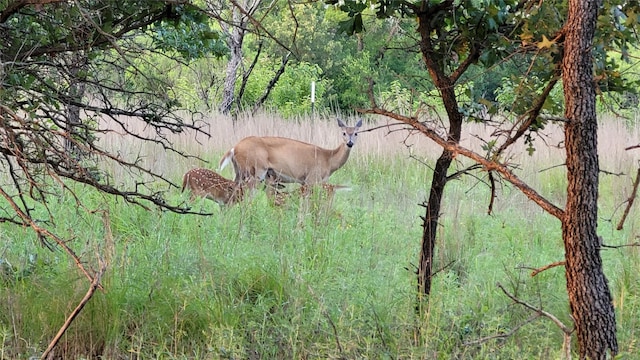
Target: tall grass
column 307, row 280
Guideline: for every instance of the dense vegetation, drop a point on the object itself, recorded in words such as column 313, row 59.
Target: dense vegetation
column 313, row 279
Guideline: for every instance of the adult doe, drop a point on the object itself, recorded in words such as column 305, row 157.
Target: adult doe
column 283, row 160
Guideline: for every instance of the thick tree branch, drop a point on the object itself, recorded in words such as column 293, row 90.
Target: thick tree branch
column 489, row 165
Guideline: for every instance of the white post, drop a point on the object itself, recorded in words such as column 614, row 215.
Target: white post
column 313, row 96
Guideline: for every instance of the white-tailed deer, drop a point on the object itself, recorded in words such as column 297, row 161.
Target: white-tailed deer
column 283, row 160
column 211, row 185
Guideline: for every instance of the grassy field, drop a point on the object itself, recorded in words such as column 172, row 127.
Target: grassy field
column 312, row 279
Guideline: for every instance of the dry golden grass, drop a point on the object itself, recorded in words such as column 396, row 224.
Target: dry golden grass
column 384, row 144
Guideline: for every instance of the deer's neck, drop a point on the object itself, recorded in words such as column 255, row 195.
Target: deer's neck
column 338, row 157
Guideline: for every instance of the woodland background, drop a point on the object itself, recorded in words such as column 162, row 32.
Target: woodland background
column 105, row 104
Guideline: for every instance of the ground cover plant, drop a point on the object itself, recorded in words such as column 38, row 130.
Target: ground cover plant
column 306, row 280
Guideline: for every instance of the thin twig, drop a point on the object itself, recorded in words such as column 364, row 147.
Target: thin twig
column 335, row 332
column 620, row 246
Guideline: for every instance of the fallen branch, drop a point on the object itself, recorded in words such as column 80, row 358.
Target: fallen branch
column 95, row 284
column 504, row 335
column 566, row 331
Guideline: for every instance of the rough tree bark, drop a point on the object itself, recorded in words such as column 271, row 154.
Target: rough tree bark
column 235, row 38
column 439, row 180
column 77, row 87
column 589, row 296
column 445, row 84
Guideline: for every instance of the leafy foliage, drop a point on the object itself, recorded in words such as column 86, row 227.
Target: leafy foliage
column 189, row 33
column 67, row 67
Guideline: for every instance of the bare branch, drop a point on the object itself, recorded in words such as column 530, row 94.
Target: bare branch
column 272, row 83
column 547, row 267
column 503, row 335
column 630, row 200
column 565, row 329
column 635, row 244
column 532, row 115
column 95, row 284
column 489, row 165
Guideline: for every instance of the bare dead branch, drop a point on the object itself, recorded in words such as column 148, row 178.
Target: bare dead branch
column 388, row 126
column 566, row 331
column 246, row 74
column 552, row 167
column 503, row 335
column 547, row 267
column 466, row 171
column 489, row 164
column 95, row 284
column 630, row 200
column 531, row 116
column 272, row 83
column 548, row 315
column 635, row 244
column 44, row 233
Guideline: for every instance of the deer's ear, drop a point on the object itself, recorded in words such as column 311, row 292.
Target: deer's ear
column 341, row 124
column 359, row 123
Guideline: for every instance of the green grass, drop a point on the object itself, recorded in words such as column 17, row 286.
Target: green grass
column 308, row 280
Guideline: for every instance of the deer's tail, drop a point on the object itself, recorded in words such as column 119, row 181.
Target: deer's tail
column 185, row 180
column 228, row 156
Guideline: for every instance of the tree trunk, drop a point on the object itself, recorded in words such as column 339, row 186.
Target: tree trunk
column 589, row 295
column 235, row 39
column 77, row 86
column 430, row 225
column 432, row 213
